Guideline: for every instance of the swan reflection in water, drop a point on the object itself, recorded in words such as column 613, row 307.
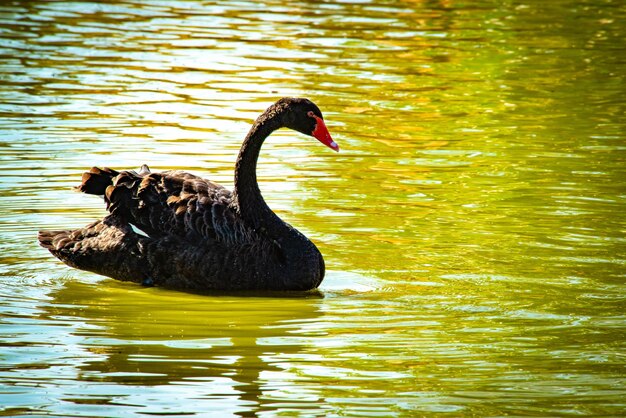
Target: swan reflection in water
column 200, row 351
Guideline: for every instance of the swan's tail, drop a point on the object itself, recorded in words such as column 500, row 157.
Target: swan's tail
column 96, row 181
column 106, row 247
column 111, row 248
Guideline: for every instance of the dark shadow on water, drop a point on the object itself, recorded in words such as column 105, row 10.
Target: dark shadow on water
column 148, row 337
column 273, row 294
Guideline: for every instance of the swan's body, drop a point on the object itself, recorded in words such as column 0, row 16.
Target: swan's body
column 177, row 230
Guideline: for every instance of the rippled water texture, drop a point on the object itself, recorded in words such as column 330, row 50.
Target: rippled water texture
column 473, row 223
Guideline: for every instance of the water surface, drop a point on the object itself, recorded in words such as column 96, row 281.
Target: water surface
column 473, row 224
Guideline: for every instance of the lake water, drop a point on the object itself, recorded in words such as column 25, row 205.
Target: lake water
column 473, row 224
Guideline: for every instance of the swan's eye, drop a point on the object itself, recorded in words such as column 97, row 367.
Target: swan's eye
column 310, row 114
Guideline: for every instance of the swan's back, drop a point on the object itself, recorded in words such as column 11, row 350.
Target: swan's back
column 173, row 203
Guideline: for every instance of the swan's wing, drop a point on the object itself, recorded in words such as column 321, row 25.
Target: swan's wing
column 112, row 248
column 170, row 203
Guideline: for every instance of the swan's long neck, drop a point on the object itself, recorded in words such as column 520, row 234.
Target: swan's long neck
column 307, row 264
column 248, row 198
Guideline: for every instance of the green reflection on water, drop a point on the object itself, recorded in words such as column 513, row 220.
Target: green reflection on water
column 472, row 224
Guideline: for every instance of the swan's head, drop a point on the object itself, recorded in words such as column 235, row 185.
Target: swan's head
column 304, row 116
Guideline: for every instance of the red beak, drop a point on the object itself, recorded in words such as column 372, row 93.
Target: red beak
column 321, row 133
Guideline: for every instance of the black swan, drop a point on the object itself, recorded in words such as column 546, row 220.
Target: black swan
column 197, row 235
